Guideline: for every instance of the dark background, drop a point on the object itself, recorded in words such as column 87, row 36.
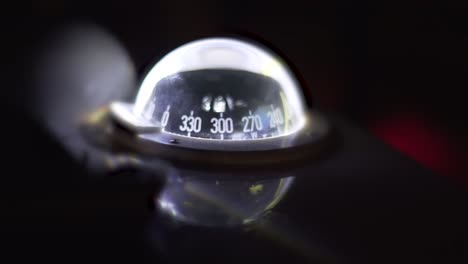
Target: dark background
column 397, row 68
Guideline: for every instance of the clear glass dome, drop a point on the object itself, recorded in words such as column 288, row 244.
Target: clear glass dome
column 224, row 89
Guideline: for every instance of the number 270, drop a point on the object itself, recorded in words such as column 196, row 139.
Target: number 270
column 252, row 123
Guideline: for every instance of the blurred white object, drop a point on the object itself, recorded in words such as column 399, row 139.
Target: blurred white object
column 81, row 69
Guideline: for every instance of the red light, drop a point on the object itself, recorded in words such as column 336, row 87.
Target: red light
column 415, row 136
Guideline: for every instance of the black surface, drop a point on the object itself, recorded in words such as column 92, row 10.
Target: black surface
column 364, row 204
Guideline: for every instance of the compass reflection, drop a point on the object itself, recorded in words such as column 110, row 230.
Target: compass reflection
column 212, row 202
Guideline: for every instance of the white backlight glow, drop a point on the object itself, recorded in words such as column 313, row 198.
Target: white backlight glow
column 225, row 53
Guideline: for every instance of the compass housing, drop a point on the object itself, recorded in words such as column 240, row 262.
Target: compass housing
column 222, row 101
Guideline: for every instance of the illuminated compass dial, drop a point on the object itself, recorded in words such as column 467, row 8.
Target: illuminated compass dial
column 213, row 94
column 221, row 104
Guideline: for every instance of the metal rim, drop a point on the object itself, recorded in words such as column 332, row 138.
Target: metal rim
column 272, row 153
